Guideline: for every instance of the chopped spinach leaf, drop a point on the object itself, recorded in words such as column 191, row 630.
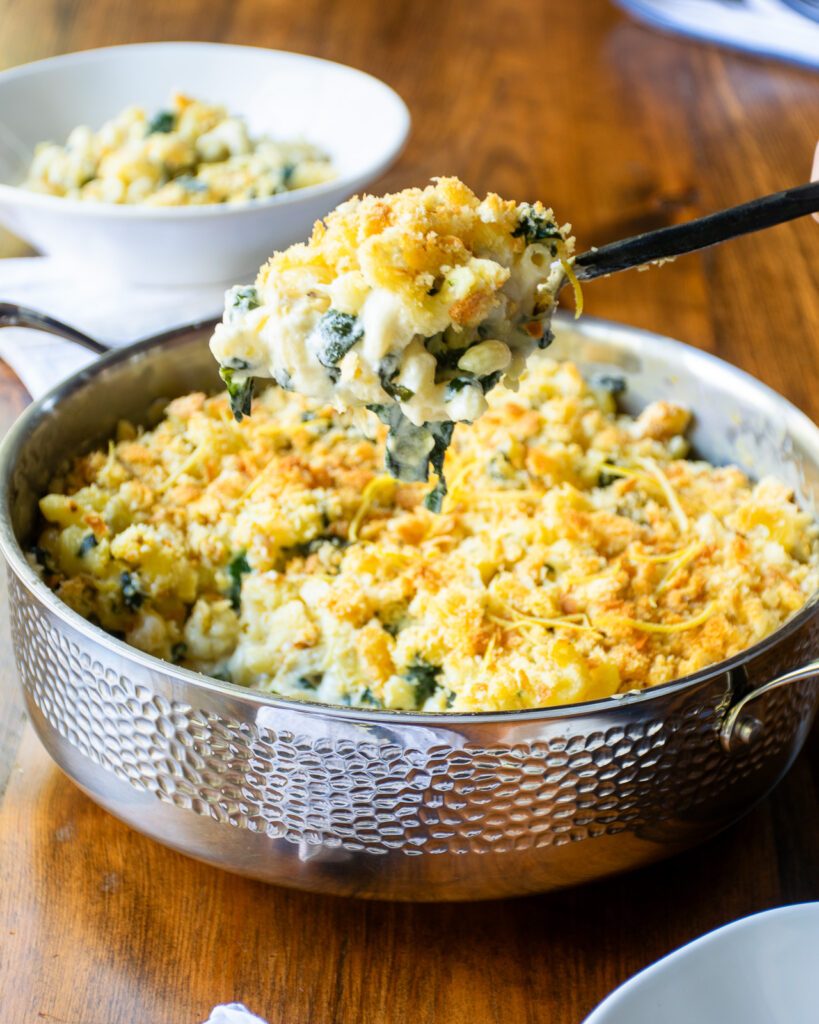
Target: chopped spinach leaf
column 446, row 357
column 132, row 595
column 408, row 446
column 244, row 299
column 42, row 557
column 434, row 501
column 309, row 547
column 500, row 468
column 88, row 542
column 368, row 697
column 614, row 383
column 442, row 435
column 287, row 174
column 163, row 122
column 237, row 567
column 389, row 366
column 310, row 681
column 412, row 450
column 457, row 384
column 424, row 678
column 605, row 479
column 547, row 338
column 534, row 226
column 191, row 184
column 240, row 392
column 397, row 391
column 387, row 371
column 394, row 466
column 383, row 412
column 338, row 332
column 236, row 363
column 178, row 651
column 490, row 380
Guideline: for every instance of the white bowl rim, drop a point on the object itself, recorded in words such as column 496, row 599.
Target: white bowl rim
column 612, row 1002
column 17, row 194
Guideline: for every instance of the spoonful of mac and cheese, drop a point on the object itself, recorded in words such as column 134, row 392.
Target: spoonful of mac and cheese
column 415, row 305
column 412, row 305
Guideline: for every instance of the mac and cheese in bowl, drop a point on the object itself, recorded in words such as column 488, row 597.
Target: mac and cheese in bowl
column 191, row 154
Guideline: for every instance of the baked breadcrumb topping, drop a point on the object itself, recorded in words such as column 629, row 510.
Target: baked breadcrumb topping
column 579, row 553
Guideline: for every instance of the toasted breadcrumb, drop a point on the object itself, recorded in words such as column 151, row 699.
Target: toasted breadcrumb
column 577, row 554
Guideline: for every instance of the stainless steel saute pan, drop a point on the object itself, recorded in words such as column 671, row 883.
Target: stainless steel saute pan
column 409, row 806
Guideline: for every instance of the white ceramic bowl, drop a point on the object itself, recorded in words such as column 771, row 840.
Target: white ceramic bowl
column 760, row 970
column 357, row 119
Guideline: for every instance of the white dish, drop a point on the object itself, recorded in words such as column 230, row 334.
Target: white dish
column 354, row 117
column 760, row 970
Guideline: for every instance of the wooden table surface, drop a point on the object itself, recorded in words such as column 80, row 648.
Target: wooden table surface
column 621, row 130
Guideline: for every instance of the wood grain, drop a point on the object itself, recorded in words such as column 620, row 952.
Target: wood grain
column 620, row 130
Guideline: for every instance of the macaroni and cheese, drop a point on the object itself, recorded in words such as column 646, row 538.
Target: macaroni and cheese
column 413, row 305
column 578, row 553
column 191, row 154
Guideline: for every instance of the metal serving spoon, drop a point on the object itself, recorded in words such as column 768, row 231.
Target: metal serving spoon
column 608, row 259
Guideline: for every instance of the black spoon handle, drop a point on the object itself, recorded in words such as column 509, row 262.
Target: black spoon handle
column 700, row 233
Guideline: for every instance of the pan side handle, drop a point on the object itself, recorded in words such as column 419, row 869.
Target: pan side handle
column 12, row 315
column 740, row 726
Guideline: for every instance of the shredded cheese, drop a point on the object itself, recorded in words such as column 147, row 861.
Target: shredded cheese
column 670, row 494
column 559, row 622
column 684, row 560
column 379, row 486
column 578, row 291
column 661, row 627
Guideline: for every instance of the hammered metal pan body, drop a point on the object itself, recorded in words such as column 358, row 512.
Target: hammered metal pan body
column 392, row 805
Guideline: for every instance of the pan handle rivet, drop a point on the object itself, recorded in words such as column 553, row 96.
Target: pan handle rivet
column 747, row 728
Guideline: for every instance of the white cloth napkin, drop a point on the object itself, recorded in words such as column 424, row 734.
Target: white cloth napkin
column 767, row 27
column 113, row 314
column 233, row 1013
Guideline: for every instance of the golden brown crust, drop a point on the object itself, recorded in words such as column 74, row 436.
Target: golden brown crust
column 578, row 553
column 407, row 242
